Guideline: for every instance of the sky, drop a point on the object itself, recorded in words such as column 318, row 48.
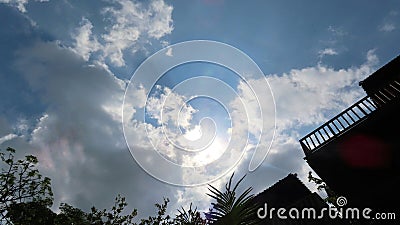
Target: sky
column 110, row 98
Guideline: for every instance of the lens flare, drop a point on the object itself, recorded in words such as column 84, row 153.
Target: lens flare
column 195, row 126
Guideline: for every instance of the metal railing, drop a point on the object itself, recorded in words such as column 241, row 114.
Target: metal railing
column 349, row 118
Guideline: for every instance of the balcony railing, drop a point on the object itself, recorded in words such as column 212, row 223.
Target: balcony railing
column 349, row 118
column 387, row 94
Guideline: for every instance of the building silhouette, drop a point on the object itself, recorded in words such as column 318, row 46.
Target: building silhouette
column 357, row 152
column 290, row 193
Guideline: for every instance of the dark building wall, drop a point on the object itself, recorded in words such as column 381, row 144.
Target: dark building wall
column 283, row 193
column 291, row 193
column 382, row 77
column 363, row 163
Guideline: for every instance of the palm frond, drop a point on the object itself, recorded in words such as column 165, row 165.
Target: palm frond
column 230, row 209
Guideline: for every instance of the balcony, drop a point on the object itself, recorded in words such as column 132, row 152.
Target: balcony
column 350, row 117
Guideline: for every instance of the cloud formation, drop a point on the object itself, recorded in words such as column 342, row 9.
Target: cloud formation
column 387, row 27
column 132, row 24
column 309, row 95
column 20, row 4
column 78, row 139
column 85, row 42
column 305, row 98
column 78, row 135
column 327, row 51
column 80, row 143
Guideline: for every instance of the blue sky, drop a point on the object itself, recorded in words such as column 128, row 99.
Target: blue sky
column 64, row 67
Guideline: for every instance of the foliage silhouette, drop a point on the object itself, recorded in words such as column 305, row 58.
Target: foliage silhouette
column 21, row 182
column 112, row 216
column 189, row 217
column 230, row 209
column 35, row 212
column 26, row 197
column 321, row 185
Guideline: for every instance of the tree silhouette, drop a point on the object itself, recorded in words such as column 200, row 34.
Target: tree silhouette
column 35, row 212
column 71, row 215
column 26, row 197
column 113, row 216
column 21, row 182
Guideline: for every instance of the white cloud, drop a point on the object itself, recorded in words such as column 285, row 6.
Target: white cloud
column 133, row 24
column 20, row 4
column 171, row 111
column 304, row 97
column 131, row 21
column 80, row 143
column 327, row 51
column 170, row 108
column 85, row 43
column 7, row 138
column 372, row 58
column 388, row 24
column 79, row 140
column 307, row 96
column 160, row 23
column 310, row 95
column 387, row 27
column 129, row 26
column 337, row 31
